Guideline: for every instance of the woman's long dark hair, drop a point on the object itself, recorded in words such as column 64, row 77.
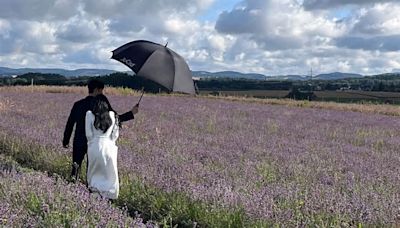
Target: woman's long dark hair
column 101, row 109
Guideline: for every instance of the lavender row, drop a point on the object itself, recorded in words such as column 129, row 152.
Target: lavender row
column 285, row 164
column 33, row 199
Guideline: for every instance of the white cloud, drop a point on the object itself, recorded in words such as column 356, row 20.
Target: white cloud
column 217, row 42
column 5, row 28
column 178, row 26
column 263, row 36
column 326, row 4
column 114, row 8
column 277, row 24
column 374, row 28
column 82, row 30
column 381, row 43
column 381, row 19
column 33, row 37
column 38, row 9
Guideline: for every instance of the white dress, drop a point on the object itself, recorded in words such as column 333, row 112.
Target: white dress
column 102, row 172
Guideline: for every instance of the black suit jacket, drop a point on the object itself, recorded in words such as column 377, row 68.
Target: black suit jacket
column 77, row 116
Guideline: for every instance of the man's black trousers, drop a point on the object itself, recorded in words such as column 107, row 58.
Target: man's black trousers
column 78, row 154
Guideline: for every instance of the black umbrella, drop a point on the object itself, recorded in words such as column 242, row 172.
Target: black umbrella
column 157, row 63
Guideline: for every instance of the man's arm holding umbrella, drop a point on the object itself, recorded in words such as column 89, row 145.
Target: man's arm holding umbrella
column 130, row 115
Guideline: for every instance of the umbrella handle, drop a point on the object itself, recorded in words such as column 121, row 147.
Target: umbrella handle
column 140, row 97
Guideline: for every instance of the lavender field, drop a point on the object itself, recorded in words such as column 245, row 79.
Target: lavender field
column 33, row 199
column 288, row 166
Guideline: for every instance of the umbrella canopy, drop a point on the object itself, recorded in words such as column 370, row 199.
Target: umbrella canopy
column 157, row 63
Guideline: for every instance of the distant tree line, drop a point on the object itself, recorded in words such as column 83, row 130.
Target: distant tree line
column 242, row 84
column 115, row 80
column 385, row 82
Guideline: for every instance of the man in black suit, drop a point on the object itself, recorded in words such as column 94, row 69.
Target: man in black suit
column 77, row 117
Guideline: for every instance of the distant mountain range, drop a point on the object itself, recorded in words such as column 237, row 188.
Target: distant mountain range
column 233, row 74
column 337, row 75
column 8, row 72
column 227, row 74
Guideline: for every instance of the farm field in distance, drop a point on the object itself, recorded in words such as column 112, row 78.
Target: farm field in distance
column 346, row 96
column 274, row 164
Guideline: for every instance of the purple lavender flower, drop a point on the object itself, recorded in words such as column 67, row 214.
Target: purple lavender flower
column 293, row 166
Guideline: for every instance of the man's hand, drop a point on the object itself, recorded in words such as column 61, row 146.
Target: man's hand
column 135, row 109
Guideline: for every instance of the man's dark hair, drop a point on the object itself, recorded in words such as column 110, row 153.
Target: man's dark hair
column 95, row 84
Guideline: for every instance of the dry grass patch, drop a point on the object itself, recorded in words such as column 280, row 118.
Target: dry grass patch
column 383, row 109
column 67, row 89
column 5, row 104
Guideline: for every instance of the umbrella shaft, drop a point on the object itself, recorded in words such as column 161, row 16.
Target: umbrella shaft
column 140, row 97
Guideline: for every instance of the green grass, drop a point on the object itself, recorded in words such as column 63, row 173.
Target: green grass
column 177, row 209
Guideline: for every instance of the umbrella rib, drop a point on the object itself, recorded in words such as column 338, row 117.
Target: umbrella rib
column 147, row 60
column 173, row 60
column 152, row 53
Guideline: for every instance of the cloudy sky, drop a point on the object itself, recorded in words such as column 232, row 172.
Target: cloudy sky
column 272, row 37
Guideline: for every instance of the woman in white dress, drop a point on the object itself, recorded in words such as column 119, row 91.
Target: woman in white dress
column 102, row 130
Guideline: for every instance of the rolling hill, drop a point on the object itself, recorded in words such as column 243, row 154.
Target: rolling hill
column 8, row 72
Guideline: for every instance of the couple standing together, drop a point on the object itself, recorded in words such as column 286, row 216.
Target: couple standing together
column 96, row 131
